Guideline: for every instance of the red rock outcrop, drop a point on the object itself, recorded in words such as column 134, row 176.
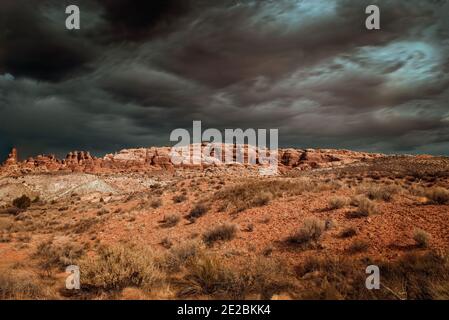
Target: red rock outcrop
column 12, row 158
column 192, row 156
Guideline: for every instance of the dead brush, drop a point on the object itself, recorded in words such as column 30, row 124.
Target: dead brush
column 179, row 198
column 337, row 203
column 422, row 238
column 170, row 220
column 121, row 266
column 51, row 255
column 85, row 224
column 365, row 208
column 179, row 255
column 209, row 275
column 437, row 195
column 18, row 286
column 310, row 232
column 348, row 233
column 199, row 210
column 380, row 192
column 222, row 232
column 358, row 246
column 256, row 193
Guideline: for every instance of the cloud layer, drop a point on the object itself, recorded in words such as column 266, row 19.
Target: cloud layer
column 136, row 70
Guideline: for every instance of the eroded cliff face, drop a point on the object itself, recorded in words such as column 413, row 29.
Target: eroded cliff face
column 162, row 158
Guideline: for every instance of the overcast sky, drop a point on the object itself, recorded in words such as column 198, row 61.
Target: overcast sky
column 138, row 69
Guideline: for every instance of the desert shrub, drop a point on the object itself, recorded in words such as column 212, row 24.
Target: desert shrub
column 437, row 195
column 18, row 286
column 413, row 276
column 265, row 277
column 119, row 267
column 179, row 198
column 199, row 210
column 262, row 199
column 22, row 202
column 358, row 246
column 208, row 274
column 222, row 232
column 425, row 275
column 166, row 242
column 256, row 193
column 338, row 278
column 85, row 224
column 421, row 238
column 181, row 254
column 336, row 202
column 155, row 203
column 171, row 220
column 365, row 208
column 310, row 231
column 381, row 192
column 348, row 232
column 60, row 256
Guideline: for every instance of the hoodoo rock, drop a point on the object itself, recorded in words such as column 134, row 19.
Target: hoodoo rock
column 12, row 158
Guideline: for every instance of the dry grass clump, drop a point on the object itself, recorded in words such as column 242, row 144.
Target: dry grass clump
column 222, row 232
column 418, row 276
column 118, row 267
column 437, row 195
column 337, row 203
column 358, row 246
column 20, row 286
column 85, row 224
column 23, row 202
column 434, row 195
column 332, row 278
column 348, row 233
column 209, row 275
column 179, row 198
column 256, row 193
column 199, row 210
column 52, row 255
column 181, row 254
column 381, row 192
column 421, row 238
column 310, row 231
column 170, row 220
column 262, row 199
column 365, row 208
column 414, row 276
column 155, row 203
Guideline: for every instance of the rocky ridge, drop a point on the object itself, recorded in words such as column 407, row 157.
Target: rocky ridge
column 161, row 158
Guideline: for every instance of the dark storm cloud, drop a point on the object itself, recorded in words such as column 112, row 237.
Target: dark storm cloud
column 138, row 69
column 33, row 48
column 139, row 19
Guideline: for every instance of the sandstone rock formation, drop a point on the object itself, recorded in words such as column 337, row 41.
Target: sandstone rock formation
column 12, row 158
column 189, row 157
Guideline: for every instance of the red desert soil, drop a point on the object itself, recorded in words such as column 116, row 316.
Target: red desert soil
column 125, row 199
